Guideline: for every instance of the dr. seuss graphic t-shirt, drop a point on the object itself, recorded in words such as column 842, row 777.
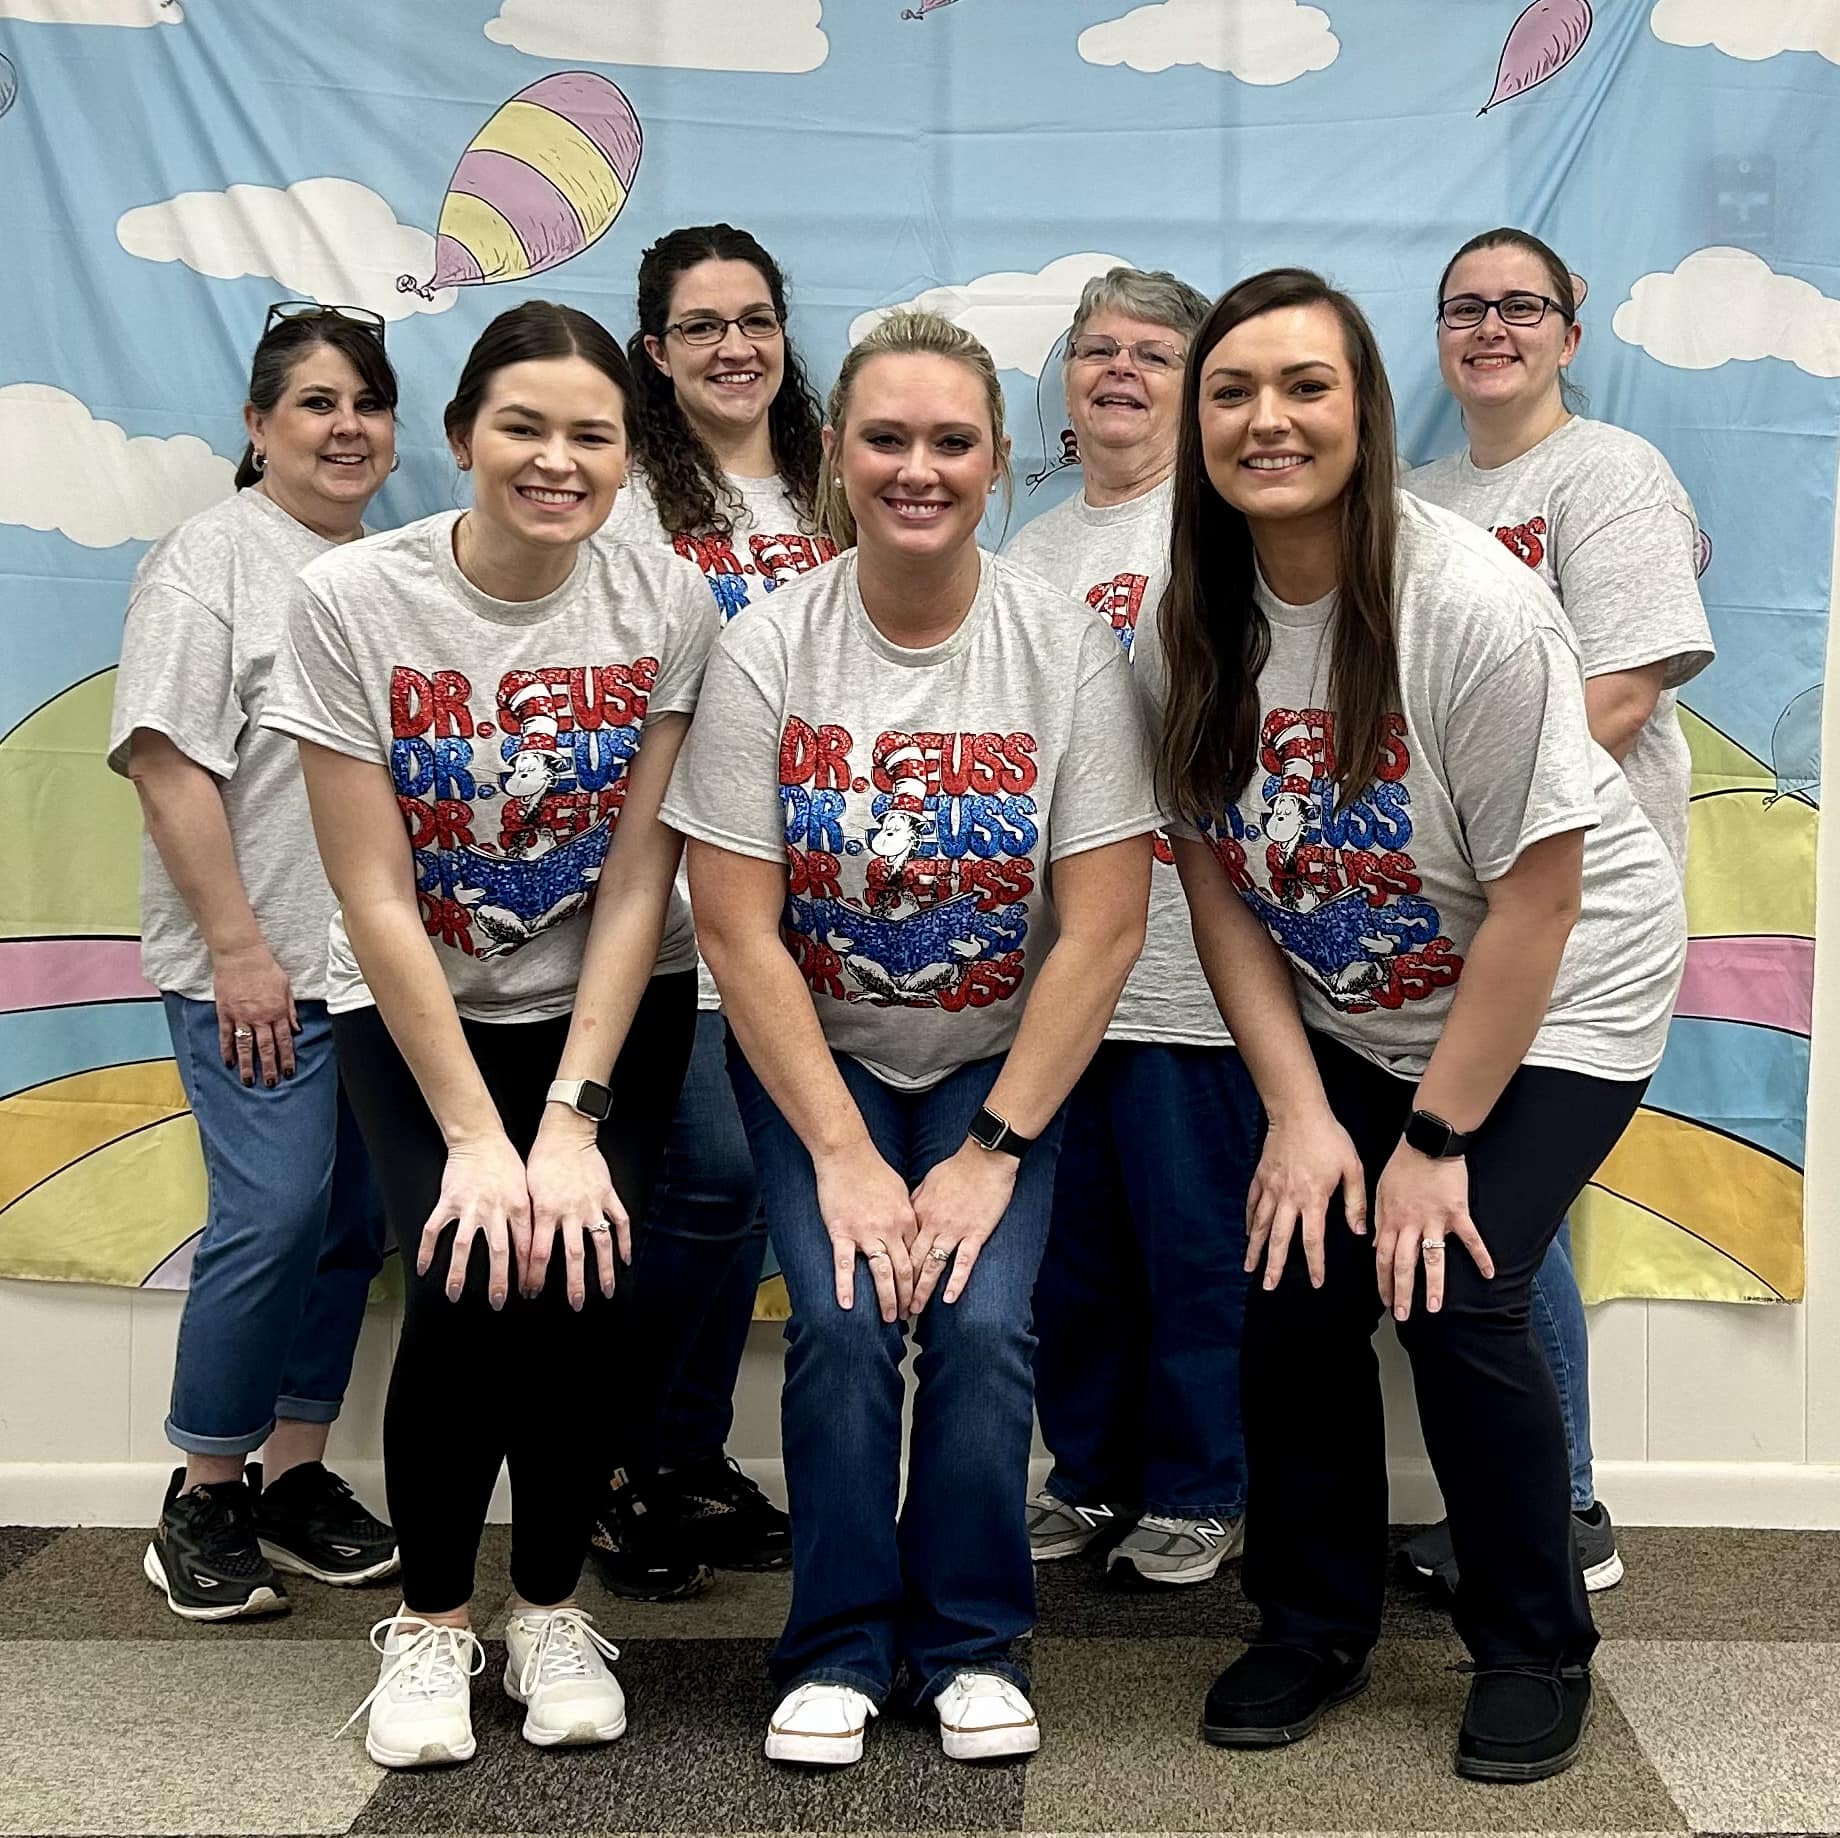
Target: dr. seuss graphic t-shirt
column 507, row 728
column 1376, row 904
column 1115, row 557
column 1597, row 513
column 918, row 797
column 208, row 608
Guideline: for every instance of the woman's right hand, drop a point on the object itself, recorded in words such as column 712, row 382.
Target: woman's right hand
column 867, row 1212
column 1302, row 1164
column 256, row 1022
column 483, row 1187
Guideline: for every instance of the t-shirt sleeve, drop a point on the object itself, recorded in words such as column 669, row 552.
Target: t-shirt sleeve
column 691, row 625
column 1103, row 788
column 316, row 692
column 724, row 788
column 1631, row 593
column 1517, row 754
column 178, row 677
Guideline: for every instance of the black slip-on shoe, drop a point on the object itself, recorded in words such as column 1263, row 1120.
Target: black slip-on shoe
column 1274, row 1694
column 1523, row 1723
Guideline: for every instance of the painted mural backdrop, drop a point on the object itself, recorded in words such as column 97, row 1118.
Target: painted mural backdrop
column 438, row 159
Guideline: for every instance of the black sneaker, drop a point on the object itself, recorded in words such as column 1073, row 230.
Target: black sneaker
column 635, row 1553
column 1523, row 1723
column 310, row 1522
column 721, row 1518
column 1431, row 1556
column 1274, row 1694
column 204, row 1556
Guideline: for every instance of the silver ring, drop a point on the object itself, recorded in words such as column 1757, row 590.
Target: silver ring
column 873, row 1255
column 1431, row 1245
column 599, row 1225
column 242, row 1033
column 939, row 1255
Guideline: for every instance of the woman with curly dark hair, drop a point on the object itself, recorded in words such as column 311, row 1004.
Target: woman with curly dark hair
column 727, row 453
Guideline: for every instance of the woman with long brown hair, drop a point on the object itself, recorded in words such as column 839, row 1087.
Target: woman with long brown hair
column 1447, row 944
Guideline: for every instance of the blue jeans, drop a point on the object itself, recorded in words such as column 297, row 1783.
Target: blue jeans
column 1558, row 1321
column 700, row 1256
column 942, row 1580
column 1143, row 1288
column 293, row 1236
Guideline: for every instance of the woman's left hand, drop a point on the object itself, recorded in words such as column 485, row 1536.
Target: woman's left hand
column 1419, row 1206
column 956, row 1208
column 572, row 1197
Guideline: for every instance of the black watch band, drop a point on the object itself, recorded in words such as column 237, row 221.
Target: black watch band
column 989, row 1131
column 1430, row 1135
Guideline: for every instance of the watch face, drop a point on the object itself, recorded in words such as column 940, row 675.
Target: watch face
column 986, row 1130
column 595, row 1101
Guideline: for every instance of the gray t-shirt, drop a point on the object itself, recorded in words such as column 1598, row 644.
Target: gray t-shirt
column 1597, row 513
column 1376, row 904
column 1115, row 557
column 508, row 738
column 918, row 798
column 206, row 612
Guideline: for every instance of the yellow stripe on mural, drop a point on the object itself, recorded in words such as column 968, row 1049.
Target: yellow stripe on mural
column 487, row 234
column 1750, row 866
column 51, row 1125
column 564, row 155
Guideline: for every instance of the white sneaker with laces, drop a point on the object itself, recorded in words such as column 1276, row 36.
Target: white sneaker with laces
column 820, row 1725
column 982, row 1715
column 554, row 1667
column 421, row 1707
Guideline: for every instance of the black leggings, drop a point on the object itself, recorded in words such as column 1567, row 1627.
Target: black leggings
column 1316, row 1520
column 475, row 1387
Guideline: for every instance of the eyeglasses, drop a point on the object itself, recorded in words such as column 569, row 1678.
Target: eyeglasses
column 284, row 312
column 1153, row 354
column 1464, row 312
column 708, row 329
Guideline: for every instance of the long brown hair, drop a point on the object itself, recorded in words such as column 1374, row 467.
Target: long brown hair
column 1215, row 640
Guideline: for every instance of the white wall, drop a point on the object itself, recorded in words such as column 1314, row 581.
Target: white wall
column 1703, row 1413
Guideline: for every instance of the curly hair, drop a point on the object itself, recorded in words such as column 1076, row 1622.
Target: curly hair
column 686, row 482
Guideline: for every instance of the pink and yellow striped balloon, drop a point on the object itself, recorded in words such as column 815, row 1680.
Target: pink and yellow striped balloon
column 543, row 179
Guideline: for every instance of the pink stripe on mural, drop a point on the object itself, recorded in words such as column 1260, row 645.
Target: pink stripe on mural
column 1768, row 982
column 546, row 223
column 599, row 109
column 455, row 265
column 62, row 972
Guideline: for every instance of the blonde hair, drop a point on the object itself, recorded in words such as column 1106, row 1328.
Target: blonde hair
column 908, row 333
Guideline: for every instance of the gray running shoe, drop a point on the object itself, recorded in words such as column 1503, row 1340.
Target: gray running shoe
column 1057, row 1529
column 1431, row 1556
column 1170, row 1550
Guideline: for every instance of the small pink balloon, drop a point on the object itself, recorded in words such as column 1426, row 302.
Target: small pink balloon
column 1702, row 557
column 1546, row 37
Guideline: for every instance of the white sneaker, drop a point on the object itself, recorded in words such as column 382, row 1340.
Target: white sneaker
column 422, row 1703
column 555, row 1669
column 982, row 1715
column 821, row 1725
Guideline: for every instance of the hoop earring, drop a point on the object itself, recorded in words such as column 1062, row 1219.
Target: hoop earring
column 396, row 462
column 258, row 460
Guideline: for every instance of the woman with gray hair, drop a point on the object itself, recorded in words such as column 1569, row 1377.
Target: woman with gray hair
column 1137, row 1373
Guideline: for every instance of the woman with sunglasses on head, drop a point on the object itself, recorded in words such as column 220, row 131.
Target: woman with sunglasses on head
column 233, row 935
column 1447, row 943
column 1137, row 1373
column 1596, row 512
column 488, row 705
column 725, row 471
column 920, row 817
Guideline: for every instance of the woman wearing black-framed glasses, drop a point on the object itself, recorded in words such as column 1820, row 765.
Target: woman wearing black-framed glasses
column 235, row 911
column 1596, row 512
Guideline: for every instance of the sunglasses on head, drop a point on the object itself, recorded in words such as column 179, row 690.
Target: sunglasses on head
column 286, row 311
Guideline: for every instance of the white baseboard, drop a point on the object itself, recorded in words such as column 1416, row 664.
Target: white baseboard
column 1802, row 1495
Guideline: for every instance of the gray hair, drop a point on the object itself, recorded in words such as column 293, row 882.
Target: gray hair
column 1152, row 294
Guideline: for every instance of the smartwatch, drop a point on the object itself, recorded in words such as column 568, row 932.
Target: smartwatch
column 1430, row 1135
column 593, row 1101
column 989, row 1131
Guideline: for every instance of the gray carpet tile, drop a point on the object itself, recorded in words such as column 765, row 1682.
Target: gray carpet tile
column 1689, row 1583
column 154, row 1736
column 1746, row 1736
column 691, row 1761
column 1121, row 1751
column 19, row 1542
column 740, row 1605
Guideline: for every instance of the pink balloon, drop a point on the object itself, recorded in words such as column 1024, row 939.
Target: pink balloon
column 1546, row 37
column 1702, row 558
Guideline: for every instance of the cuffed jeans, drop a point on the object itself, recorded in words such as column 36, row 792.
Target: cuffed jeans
column 941, row 1581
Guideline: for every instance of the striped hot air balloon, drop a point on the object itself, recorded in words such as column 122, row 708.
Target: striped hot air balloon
column 544, row 178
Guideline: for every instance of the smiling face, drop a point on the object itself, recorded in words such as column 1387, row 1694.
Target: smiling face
column 1493, row 365
column 730, row 385
column 1119, row 405
column 547, row 450
column 917, row 455
column 327, row 444
column 1279, row 421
